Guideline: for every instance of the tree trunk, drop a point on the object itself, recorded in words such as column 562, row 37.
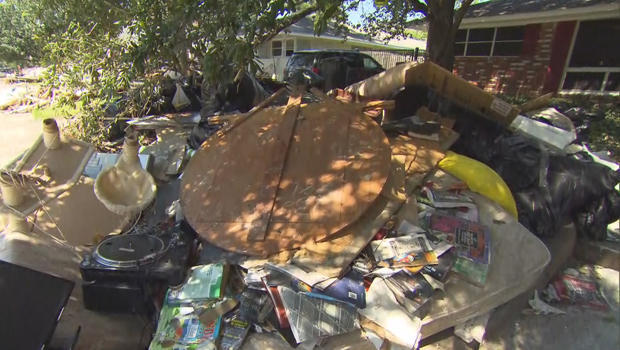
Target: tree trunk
column 441, row 34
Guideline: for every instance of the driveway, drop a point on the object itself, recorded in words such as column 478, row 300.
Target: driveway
column 17, row 133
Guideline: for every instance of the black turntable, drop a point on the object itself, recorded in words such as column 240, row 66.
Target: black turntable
column 124, row 272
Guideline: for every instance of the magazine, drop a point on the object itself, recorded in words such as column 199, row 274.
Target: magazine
column 313, row 317
column 441, row 270
column 179, row 327
column 349, row 288
column 398, row 321
column 399, row 247
column 472, row 242
column 451, row 203
column 412, row 292
column 234, row 331
column 204, row 282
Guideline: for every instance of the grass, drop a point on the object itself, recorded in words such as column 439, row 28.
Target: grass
column 605, row 133
column 417, row 34
column 55, row 111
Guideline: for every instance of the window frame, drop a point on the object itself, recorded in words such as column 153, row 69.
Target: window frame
column 281, row 47
column 286, row 47
column 607, row 70
column 367, row 57
column 492, row 42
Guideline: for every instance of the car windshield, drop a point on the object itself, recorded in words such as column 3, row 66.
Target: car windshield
column 301, row 60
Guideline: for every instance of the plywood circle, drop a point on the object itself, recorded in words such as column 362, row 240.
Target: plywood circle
column 285, row 176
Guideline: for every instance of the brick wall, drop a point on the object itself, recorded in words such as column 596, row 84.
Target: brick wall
column 515, row 76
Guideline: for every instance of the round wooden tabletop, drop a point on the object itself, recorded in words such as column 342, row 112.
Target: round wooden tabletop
column 284, row 176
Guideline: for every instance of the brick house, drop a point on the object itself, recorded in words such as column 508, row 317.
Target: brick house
column 527, row 47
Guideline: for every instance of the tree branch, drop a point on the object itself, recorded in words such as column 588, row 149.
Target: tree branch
column 281, row 24
column 418, row 6
column 460, row 13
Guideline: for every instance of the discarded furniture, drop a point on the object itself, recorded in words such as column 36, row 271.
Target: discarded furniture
column 50, row 167
column 285, row 176
column 385, row 85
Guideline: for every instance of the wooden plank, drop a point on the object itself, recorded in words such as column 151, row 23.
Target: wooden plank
column 411, row 162
column 318, row 94
column 332, row 257
column 380, row 104
column 277, row 159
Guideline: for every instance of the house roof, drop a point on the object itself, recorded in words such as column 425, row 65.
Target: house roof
column 305, row 26
column 511, row 7
column 521, row 12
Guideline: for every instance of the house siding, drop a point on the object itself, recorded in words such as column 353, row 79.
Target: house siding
column 516, row 76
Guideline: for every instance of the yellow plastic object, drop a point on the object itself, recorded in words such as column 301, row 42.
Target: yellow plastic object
column 480, row 178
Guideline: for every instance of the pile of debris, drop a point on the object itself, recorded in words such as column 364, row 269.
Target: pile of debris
column 346, row 215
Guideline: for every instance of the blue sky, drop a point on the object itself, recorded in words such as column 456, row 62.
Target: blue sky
column 367, row 6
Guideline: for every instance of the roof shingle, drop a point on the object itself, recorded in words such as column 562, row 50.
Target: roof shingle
column 509, row 7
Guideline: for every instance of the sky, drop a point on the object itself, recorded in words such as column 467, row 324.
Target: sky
column 366, row 6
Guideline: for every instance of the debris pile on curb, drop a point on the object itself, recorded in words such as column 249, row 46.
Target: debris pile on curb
column 401, row 206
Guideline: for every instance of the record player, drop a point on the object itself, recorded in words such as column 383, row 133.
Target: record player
column 124, row 272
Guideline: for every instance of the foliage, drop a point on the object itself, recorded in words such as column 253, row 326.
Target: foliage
column 18, row 45
column 597, row 120
column 417, row 34
column 392, row 19
column 110, row 57
column 605, row 132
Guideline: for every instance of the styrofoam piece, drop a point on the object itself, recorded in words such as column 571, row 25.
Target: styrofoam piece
column 546, row 133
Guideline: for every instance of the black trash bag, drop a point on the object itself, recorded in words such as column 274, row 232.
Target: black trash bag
column 572, row 187
column 244, row 94
column 535, row 213
column 478, row 136
column 548, row 190
column 575, row 184
column 409, row 100
column 201, row 131
column 518, row 161
column 593, row 222
column 514, row 157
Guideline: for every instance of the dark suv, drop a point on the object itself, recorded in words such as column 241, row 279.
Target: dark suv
column 329, row 69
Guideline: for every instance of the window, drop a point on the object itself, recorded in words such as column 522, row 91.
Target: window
column 301, row 60
column 354, row 60
column 502, row 41
column 276, row 48
column 290, row 47
column 369, row 63
column 594, row 64
column 508, row 41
